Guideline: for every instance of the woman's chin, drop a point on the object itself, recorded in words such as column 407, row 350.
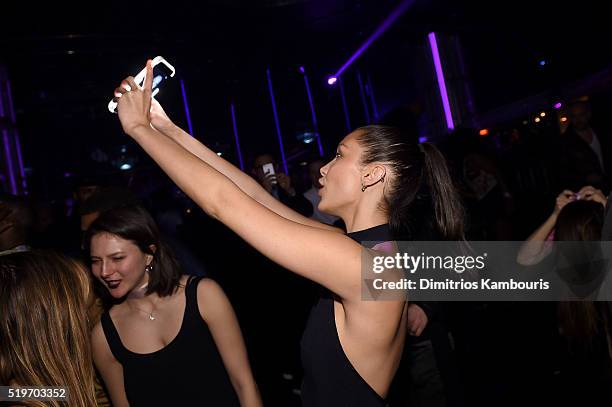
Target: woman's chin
column 323, row 207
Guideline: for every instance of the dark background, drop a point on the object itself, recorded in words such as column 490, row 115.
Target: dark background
column 65, row 59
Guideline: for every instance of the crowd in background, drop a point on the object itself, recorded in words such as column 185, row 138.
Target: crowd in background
column 474, row 353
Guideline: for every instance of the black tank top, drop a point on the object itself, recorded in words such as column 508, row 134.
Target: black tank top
column 329, row 377
column 188, row 371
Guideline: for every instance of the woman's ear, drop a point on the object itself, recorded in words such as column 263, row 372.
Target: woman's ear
column 149, row 257
column 374, row 174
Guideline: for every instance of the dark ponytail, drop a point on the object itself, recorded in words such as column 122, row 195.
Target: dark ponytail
column 447, row 204
column 421, row 196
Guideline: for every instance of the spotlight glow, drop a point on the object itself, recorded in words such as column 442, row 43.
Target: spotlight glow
column 543, row 114
column 384, row 26
column 125, row 167
column 563, row 119
column 332, row 80
column 538, row 120
column 484, row 132
column 558, row 105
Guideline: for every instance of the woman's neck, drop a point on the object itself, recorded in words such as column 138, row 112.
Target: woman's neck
column 364, row 219
column 139, row 293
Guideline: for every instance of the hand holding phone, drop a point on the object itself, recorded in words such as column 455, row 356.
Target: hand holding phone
column 268, row 170
column 162, row 70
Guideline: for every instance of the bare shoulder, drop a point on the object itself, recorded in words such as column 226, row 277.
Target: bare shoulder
column 97, row 332
column 99, row 344
column 209, row 290
column 212, row 300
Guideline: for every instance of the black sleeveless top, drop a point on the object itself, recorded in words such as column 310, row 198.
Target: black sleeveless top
column 329, row 377
column 188, row 371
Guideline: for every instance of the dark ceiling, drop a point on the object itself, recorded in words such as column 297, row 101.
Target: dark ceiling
column 64, row 60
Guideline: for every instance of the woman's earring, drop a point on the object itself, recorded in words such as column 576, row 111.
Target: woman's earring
column 363, row 188
column 149, row 268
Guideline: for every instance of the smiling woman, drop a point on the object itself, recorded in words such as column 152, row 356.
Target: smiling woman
column 167, row 330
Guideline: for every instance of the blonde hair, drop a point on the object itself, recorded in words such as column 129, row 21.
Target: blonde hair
column 45, row 301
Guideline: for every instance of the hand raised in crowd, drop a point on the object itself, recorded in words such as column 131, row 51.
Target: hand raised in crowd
column 563, row 199
column 417, row 320
column 134, row 102
column 268, row 182
column 590, row 193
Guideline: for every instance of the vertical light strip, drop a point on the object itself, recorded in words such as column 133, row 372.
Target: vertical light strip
column 370, row 90
column 24, row 184
column 9, row 161
column 313, row 114
column 433, row 43
column 7, row 150
column 236, row 136
column 347, row 119
column 186, row 108
column 278, row 130
column 366, row 109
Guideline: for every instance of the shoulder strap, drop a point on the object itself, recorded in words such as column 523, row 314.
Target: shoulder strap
column 191, row 296
column 113, row 339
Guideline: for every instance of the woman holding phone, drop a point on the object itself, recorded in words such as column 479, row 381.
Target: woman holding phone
column 351, row 348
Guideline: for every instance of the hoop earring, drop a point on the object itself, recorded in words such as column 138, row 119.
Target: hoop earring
column 364, row 187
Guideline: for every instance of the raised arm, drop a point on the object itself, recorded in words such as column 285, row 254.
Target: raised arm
column 537, row 246
column 247, row 184
column 324, row 256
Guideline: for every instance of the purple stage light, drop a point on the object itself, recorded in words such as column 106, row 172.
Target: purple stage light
column 370, row 90
column 558, row 105
column 17, row 141
column 301, row 69
column 332, row 80
column 278, row 130
column 345, row 108
column 186, row 108
column 441, row 83
column 235, row 127
column 391, row 18
column 315, row 124
column 422, row 139
column 366, row 110
column 7, row 151
column 9, row 160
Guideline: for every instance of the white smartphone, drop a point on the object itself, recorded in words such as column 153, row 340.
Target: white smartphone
column 268, row 169
column 162, row 70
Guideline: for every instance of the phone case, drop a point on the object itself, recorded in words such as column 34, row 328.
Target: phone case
column 140, row 77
